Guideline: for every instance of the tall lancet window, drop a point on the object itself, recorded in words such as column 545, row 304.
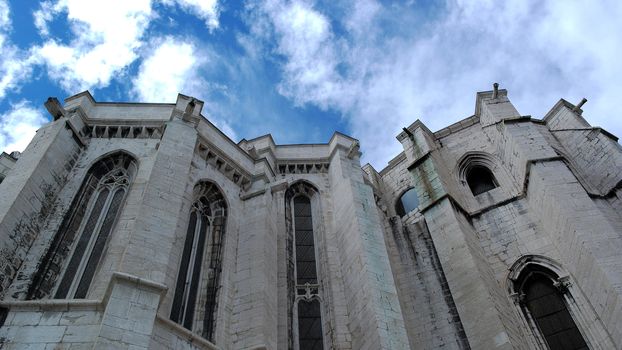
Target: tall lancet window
column 543, row 292
column 80, row 243
column 549, row 312
column 199, row 270
column 307, row 311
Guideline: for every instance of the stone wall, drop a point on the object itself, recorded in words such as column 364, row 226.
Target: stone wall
column 6, row 163
column 478, row 238
column 430, row 314
column 46, row 325
column 28, row 195
column 437, row 277
column 123, row 319
column 376, row 319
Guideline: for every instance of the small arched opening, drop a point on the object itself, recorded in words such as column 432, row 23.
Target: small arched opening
column 480, row 179
column 407, row 202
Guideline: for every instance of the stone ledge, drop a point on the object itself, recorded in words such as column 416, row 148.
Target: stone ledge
column 82, row 304
column 247, row 196
column 132, row 280
column 53, row 305
column 597, row 128
column 186, row 334
column 122, row 276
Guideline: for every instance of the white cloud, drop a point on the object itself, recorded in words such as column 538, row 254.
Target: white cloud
column 5, row 19
column 169, row 69
column 175, row 66
column 46, row 12
column 15, row 64
column 19, row 125
column 207, row 10
column 304, row 37
column 225, row 128
column 106, row 38
column 383, row 68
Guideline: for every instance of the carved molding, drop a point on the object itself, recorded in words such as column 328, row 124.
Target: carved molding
column 562, row 284
column 517, row 298
column 223, row 165
column 122, row 131
column 308, row 292
column 302, row 168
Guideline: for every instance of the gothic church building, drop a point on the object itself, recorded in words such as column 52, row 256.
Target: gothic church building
column 142, row 226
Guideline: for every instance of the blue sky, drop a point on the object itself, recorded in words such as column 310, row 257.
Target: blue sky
column 304, row 69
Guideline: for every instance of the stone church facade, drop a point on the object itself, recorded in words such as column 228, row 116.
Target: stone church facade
column 142, row 226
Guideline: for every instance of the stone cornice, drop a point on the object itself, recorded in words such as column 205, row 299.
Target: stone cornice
column 225, row 165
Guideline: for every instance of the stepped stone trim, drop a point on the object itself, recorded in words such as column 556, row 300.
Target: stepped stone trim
column 294, row 167
column 223, row 164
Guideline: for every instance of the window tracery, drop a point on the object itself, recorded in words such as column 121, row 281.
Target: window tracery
column 542, row 293
column 306, row 300
column 200, row 267
column 85, row 230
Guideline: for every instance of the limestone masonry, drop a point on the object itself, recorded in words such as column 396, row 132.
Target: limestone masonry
column 142, row 226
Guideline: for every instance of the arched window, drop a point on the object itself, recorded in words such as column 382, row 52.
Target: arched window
column 540, row 292
column 548, row 310
column 474, row 169
column 408, row 202
column 199, row 270
column 307, row 309
column 309, row 315
column 480, row 179
column 85, row 230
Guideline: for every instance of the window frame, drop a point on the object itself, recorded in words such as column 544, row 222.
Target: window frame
column 400, row 202
column 313, row 292
column 211, row 209
column 88, row 249
column 588, row 323
column 111, row 164
column 473, row 159
column 472, row 186
column 192, row 263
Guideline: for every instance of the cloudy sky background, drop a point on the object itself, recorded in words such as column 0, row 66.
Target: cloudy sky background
column 303, row 69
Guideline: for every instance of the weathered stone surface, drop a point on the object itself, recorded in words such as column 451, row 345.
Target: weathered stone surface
column 441, row 276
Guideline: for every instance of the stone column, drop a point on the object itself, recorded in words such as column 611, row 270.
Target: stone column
column 278, row 204
column 468, row 273
column 131, row 305
column 376, row 320
column 469, row 276
column 150, row 244
column 255, row 306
